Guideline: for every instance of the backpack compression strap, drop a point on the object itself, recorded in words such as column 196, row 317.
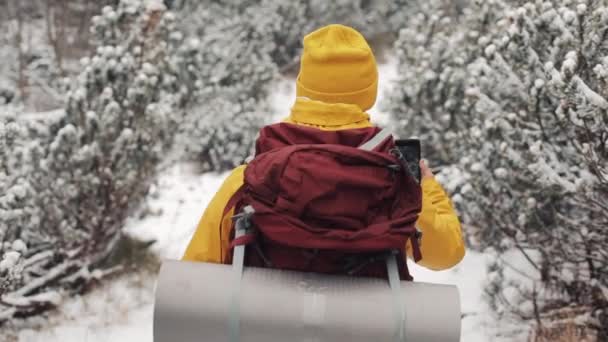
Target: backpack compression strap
column 391, row 260
column 242, row 227
column 395, row 284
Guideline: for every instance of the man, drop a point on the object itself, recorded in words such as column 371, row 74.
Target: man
column 338, row 82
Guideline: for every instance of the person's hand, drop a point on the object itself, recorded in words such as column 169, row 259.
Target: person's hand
column 425, row 171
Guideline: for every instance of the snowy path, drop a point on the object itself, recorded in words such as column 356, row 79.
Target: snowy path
column 122, row 310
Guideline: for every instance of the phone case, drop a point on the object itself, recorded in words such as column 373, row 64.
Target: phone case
column 409, row 153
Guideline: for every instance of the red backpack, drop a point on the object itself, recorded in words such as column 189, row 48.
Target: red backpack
column 319, row 202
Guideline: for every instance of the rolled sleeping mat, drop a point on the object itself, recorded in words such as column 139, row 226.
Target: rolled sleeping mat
column 194, row 303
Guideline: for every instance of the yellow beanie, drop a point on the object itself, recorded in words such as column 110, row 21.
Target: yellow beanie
column 338, row 66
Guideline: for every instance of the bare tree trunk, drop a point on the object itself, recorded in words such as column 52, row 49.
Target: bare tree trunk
column 84, row 33
column 62, row 42
column 4, row 12
column 22, row 79
column 53, row 35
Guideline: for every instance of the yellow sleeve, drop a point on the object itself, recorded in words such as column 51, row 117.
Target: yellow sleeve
column 442, row 245
column 211, row 238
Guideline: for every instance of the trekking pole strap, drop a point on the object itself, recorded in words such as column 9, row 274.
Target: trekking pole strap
column 395, row 284
column 241, row 227
column 376, row 140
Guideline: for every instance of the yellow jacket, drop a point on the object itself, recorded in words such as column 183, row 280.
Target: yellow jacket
column 442, row 245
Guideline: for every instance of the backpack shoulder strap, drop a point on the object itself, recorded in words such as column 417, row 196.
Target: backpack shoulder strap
column 376, row 140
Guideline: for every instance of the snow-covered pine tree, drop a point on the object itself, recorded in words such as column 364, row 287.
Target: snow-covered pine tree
column 220, row 132
column 72, row 192
column 13, row 191
column 287, row 22
column 432, row 51
column 225, row 62
column 524, row 109
column 542, row 82
column 284, row 25
column 9, row 70
column 29, row 72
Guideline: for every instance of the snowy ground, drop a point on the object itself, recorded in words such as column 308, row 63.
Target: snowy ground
column 121, row 311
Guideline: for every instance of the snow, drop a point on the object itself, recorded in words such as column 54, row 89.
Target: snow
column 155, row 5
column 179, row 198
column 19, row 245
column 49, row 116
column 43, row 280
column 469, row 276
column 581, row 9
column 592, row 96
column 51, row 297
column 9, row 260
column 119, row 311
column 387, row 75
column 501, row 172
column 37, row 258
column 284, row 95
column 490, row 50
column 569, row 64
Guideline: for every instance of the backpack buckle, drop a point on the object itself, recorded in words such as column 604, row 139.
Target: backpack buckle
column 247, row 212
column 394, row 167
column 418, row 236
column 243, row 219
column 416, row 241
column 243, row 231
column 396, row 153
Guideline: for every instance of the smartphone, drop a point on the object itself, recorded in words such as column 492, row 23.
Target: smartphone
column 409, row 153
